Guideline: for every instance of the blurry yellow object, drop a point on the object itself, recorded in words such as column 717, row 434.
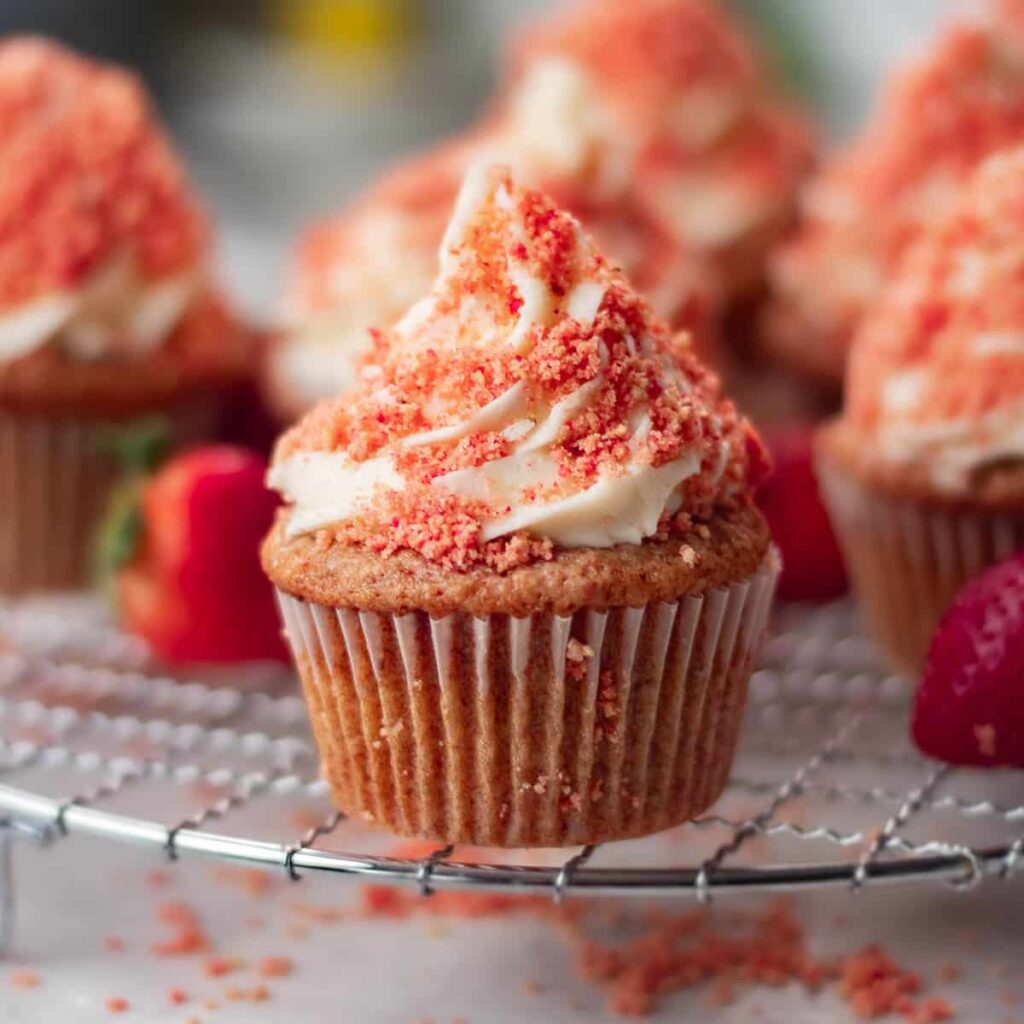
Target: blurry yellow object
column 351, row 26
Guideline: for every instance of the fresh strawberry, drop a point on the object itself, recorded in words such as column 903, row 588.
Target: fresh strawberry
column 193, row 587
column 970, row 705
column 812, row 565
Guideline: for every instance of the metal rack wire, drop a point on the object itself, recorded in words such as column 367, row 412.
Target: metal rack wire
column 826, row 790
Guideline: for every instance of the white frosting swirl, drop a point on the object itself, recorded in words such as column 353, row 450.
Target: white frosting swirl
column 115, row 312
column 620, row 506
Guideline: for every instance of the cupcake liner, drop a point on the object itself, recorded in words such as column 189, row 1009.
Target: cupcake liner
column 536, row 731
column 55, row 479
column 908, row 560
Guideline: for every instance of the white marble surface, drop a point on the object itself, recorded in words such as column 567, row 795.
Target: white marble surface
column 79, row 892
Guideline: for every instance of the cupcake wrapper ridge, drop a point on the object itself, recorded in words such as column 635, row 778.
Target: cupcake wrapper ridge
column 56, row 479
column 537, row 731
column 908, row 560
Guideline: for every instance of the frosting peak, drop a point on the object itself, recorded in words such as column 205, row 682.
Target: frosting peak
column 532, row 399
column 937, row 370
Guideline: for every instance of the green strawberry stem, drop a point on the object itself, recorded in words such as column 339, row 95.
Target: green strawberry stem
column 137, row 449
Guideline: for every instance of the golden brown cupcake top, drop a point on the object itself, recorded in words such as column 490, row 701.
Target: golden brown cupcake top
column 532, row 400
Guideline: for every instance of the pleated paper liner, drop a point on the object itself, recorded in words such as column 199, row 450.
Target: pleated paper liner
column 908, row 560
column 56, row 477
column 539, row 731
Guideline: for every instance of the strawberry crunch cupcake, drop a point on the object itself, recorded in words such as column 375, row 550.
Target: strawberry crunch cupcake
column 937, row 119
column 520, row 569
column 652, row 122
column 924, row 471
column 106, row 308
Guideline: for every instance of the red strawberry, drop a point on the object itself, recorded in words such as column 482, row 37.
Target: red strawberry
column 812, row 565
column 195, row 589
column 970, row 705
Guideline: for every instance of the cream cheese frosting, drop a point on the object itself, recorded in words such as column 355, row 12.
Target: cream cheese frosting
column 937, row 370
column 113, row 313
column 532, row 394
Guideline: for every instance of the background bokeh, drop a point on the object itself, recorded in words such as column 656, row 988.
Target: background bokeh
column 286, row 107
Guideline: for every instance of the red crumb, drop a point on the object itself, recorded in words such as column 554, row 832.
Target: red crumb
column 177, row 996
column 118, row 1004
column 113, row 944
column 254, row 882
column 316, row 914
column 187, row 935
column 217, row 966
column 532, row 986
column 157, row 879
column 387, row 901
column 24, row 979
column 256, row 994
column 275, row 967
column 951, row 972
column 873, row 985
column 930, row 1011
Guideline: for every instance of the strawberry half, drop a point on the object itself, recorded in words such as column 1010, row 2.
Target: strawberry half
column 194, row 587
column 970, row 705
column 812, row 564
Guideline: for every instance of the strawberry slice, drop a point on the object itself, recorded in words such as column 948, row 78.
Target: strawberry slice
column 812, row 564
column 969, row 708
column 194, row 589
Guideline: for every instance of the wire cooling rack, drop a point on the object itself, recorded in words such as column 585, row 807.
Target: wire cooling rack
column 826, row 789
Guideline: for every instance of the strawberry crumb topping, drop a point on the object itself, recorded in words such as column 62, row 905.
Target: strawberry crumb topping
column 952, row 320
column 525, row 319
column 87, row 173
column 963, row 100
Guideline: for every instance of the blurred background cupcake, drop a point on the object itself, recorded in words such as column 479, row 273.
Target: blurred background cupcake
column 936, row 118
column 924, row 471
column 654, row 123
column 109, row 313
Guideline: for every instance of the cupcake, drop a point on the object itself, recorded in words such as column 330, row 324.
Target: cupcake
column 520, row 568
column 924, row 470
column 936, row 120
column 108, row 315
column 651, row 122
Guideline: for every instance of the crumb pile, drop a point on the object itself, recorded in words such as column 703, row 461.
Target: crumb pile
column 533, row 399
column 87, row 175
column 937, row 370
column 960, row 102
